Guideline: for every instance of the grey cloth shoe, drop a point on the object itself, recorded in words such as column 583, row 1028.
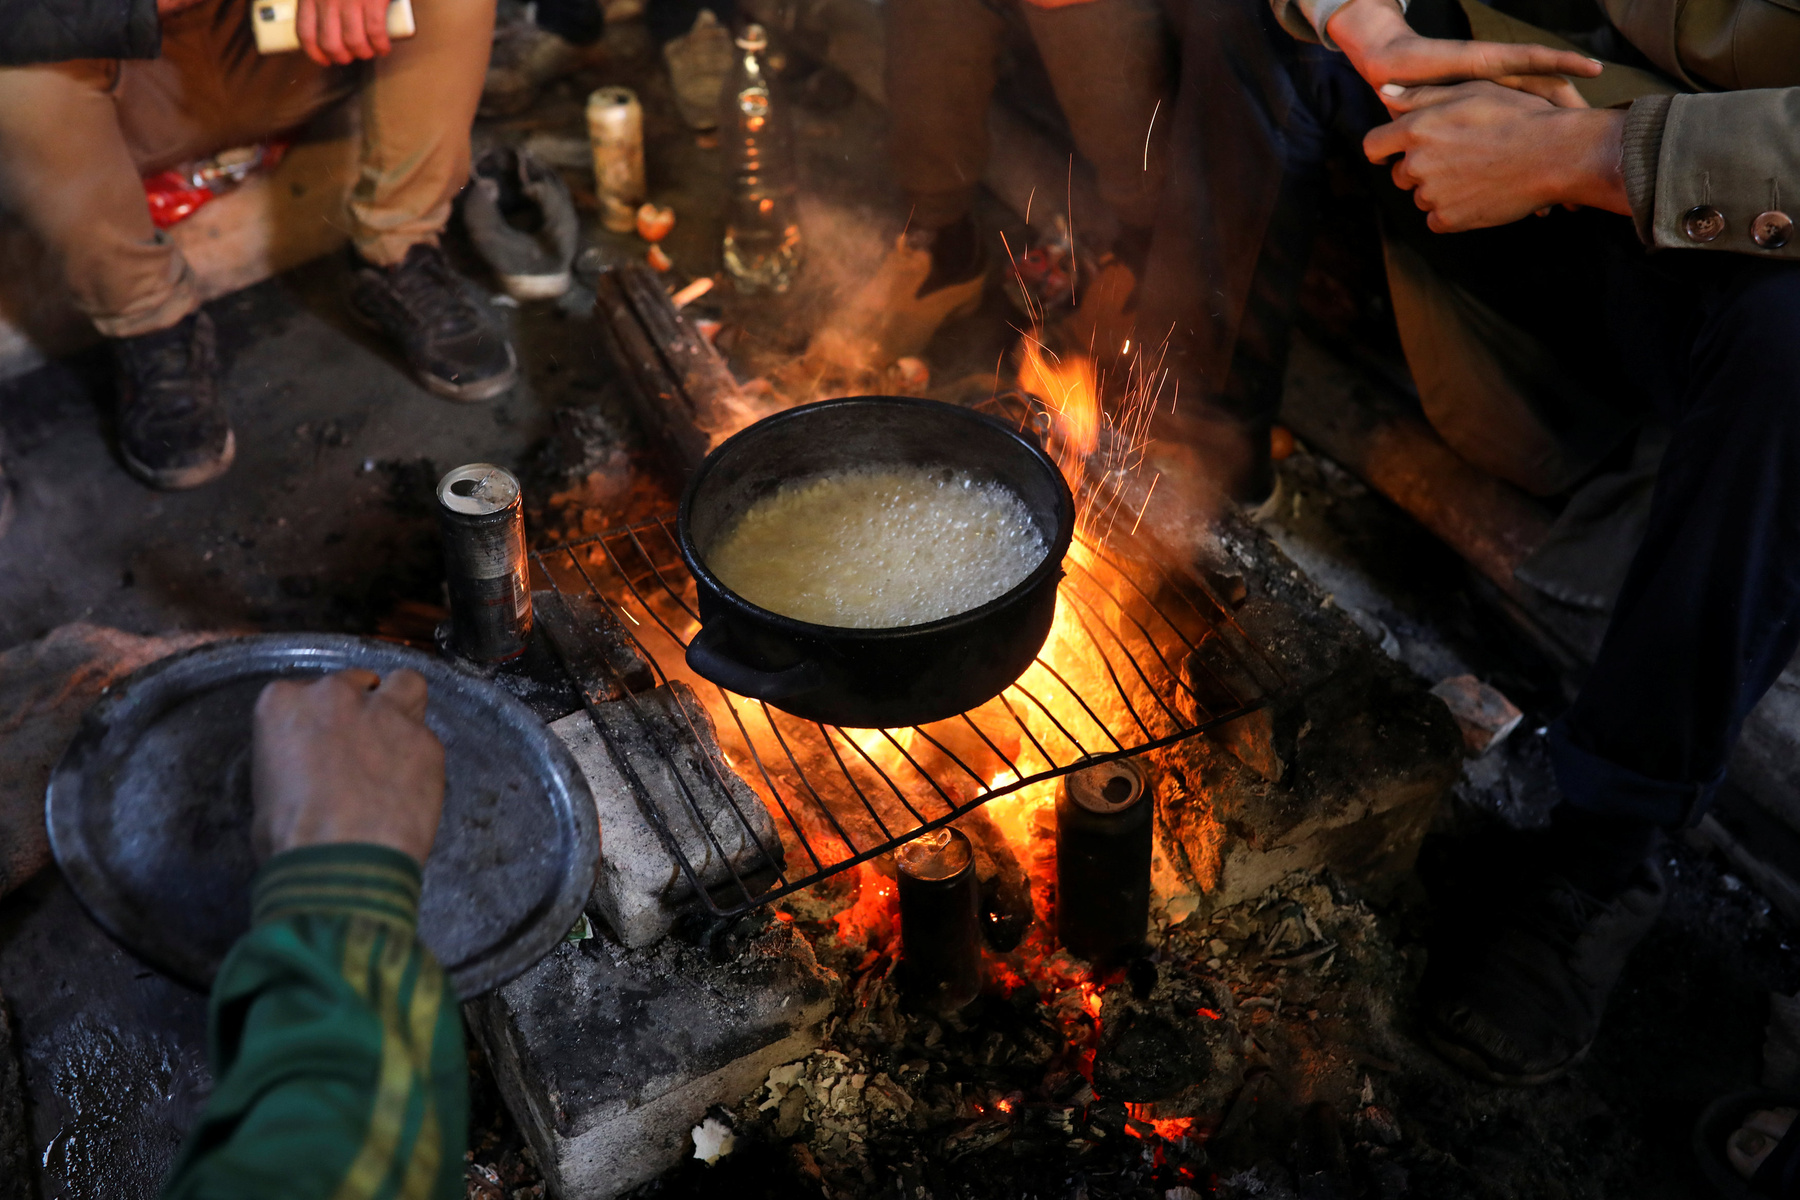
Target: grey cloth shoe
column 524, row 59
column 455, row 344
column 1524, row 1006
column 173, row 428
column 519, row 215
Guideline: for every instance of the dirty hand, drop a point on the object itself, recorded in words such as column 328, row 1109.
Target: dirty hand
column 1384, row 49
column 1479, row 154
column 341, row 31
column 346, row 758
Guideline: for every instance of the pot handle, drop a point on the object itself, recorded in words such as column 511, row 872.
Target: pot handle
column 707, row 655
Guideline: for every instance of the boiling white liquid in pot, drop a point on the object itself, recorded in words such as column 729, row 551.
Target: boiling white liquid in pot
column 880, row 547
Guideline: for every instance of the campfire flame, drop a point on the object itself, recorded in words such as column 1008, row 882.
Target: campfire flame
column 1101, row 449
column 1065, row 704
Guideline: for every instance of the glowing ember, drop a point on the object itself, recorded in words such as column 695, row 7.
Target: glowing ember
column 1168, row 1128
column 870, row 920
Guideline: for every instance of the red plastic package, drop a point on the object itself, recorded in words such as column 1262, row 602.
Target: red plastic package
column 177, row 193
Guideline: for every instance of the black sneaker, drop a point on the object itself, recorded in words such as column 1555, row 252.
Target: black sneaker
column 1524, row 1006
column 455, row 344
column 173, row 430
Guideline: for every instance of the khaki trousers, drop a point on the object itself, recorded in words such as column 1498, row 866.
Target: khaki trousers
column 1107, row 62
column 76, row 137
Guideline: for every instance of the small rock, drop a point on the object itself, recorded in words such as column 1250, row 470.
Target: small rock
column 1484, row 715
column 713, row 1140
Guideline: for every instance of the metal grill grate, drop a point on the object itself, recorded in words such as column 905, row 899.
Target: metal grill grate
column 1140, row 657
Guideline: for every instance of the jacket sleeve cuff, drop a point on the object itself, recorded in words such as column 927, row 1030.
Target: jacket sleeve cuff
column 1644, row 122
column 347, row 879
column 1728, row 173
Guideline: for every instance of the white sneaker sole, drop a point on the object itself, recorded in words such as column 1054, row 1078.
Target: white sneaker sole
column 480, row 389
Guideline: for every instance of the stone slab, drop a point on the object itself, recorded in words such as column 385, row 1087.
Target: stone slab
column 608, row 1057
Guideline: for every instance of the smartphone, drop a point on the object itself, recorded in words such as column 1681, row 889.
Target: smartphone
column 273, row 23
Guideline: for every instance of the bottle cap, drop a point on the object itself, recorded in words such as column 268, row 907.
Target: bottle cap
column 754, row 37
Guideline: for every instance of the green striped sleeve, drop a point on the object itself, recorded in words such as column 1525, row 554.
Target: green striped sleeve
column 346, row 879
column 336, row 1044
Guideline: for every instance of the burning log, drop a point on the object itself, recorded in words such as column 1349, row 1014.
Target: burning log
column 684, row 396
column 593, row 646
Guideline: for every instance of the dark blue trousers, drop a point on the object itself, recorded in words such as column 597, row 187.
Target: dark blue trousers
column 1708, row 341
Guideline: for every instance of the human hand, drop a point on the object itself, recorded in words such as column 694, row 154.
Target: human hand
column 1480, row 154
column 341, row 31
column 346, row 758
column 1384, row 49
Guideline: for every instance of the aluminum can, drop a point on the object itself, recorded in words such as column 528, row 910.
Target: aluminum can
column 483, row 524
column 1103, row 830
column 615, row 122
column 940, row 948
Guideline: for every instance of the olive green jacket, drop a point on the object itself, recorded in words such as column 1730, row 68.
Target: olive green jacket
column 335, row 1042
column 1712, row 142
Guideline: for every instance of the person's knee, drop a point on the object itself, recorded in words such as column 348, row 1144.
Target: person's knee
column 1758, row 313
column 1749, row 348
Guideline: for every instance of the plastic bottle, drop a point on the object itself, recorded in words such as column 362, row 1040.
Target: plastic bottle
column 762, row 228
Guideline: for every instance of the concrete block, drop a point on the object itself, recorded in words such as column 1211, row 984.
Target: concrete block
column 679, row 763
column 1345, row 771
column 609, row 1057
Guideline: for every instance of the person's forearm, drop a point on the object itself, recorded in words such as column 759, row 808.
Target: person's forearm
column 1586, row 158
column 1362, row 27
column 335, row 1041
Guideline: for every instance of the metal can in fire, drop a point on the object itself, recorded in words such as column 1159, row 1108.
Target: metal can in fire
column 940, row 946
column 615, row 122
column 1103, row 828
column 483, row 525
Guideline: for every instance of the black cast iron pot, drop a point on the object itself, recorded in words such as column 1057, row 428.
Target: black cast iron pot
column 871, row 678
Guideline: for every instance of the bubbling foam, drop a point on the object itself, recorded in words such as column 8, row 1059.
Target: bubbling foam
column 880, row 547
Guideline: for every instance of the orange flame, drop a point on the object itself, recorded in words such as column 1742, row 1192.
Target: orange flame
column 1068, row 387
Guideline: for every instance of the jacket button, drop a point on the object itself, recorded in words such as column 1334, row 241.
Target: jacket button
column 1771, row 230
column 1702, row 223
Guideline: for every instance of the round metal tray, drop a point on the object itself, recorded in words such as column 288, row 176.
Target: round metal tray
column 149, row 810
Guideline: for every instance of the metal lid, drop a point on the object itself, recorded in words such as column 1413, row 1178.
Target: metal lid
column 149, row 810
column 1108, row 788
column 611, row 97
column 754, row 37
column 938, row 855
column 478, row 490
